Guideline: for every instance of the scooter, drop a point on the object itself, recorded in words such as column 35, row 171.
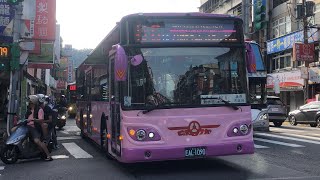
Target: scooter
column 20, row 146
column 61, row 116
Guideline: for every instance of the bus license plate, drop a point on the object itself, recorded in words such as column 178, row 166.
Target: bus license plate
column 195, row 152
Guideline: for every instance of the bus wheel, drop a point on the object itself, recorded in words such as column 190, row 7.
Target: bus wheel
column 81, row 125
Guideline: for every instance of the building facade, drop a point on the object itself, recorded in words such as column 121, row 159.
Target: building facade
column 282, row 31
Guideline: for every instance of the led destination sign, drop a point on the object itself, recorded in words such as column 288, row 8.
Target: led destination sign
column 162, row 31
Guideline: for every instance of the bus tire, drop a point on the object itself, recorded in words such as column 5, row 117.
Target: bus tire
column 81, row 124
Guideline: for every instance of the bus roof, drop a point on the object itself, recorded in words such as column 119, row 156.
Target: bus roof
column 97, row 56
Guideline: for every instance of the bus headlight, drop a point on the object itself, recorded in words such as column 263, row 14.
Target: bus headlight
column 235, row 130
column 141, row 134
column 244, row 129
column 151, row 135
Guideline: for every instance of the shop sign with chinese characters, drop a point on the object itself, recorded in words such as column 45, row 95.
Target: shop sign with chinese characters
column 43, row 27
column 6, row 22
column 303, row 52
column 314, row 75
column 287, row 80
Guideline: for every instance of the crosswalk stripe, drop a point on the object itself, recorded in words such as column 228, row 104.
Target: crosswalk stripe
column 60, row 157
column 278, row 142
column 1, row 168
column 259, row 146
column 69, row 138
column 76, row 151
column 288, row 138
column 310, row 136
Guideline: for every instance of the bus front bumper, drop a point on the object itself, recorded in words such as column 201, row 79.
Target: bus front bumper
column 176, row 153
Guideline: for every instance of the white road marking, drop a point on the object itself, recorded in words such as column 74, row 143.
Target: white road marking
column 285, row 178
column 1, row 168
column 60, row 157
column 68, row 138
column 277, row 142
column 303, row 136
column 64, row 132
column 76, row 151
column 259, row 146
column 286, row 130
column 289, row 138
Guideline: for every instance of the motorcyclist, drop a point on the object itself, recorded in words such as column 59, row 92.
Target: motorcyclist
column 47, row 117
column 51, row 114
column 63, row 101
column 33, row 115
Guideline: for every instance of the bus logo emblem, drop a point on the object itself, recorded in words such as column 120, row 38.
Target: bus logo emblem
column 194, row 129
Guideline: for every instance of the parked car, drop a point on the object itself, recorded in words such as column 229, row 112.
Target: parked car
column 260, row 120
column 306, row 114
column 276, row 110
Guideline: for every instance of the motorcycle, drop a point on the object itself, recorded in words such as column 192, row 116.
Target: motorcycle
column 61, row 117
column 20, row 146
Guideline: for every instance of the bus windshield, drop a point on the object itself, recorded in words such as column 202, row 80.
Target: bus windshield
column 186, row 76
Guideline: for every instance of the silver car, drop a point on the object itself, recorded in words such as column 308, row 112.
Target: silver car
column 260, row 120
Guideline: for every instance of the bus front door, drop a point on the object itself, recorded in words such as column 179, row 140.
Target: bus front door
column 88, row 103
column 114, row 111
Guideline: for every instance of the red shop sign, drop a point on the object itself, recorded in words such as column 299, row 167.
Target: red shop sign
column 303, row 52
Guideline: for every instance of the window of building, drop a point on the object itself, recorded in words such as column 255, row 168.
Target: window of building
column 237, row 10
column 298, row 64
column 281, row 61
column 278, row 2
column 281, row 26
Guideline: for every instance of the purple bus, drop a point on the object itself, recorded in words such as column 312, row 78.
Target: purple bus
column 167, row 86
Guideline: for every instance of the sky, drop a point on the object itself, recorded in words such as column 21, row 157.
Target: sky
column 84, row 23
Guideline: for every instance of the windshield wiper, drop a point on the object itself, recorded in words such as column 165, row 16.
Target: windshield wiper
column 225, row 102
column 156, row 107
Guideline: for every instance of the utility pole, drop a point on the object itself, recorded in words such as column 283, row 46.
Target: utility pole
column 14, row 74
column 245, row 16
column 305, row 41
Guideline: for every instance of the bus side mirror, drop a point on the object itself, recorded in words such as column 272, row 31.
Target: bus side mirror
column 120, row 63
column 136, row 60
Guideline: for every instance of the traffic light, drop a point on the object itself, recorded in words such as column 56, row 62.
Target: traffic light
column 15, row 56
column 14, row 2
column 3, row 67
column 259, row 15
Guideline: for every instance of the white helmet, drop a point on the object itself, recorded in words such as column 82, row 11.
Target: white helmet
column 33, row 98
column 41, row 98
